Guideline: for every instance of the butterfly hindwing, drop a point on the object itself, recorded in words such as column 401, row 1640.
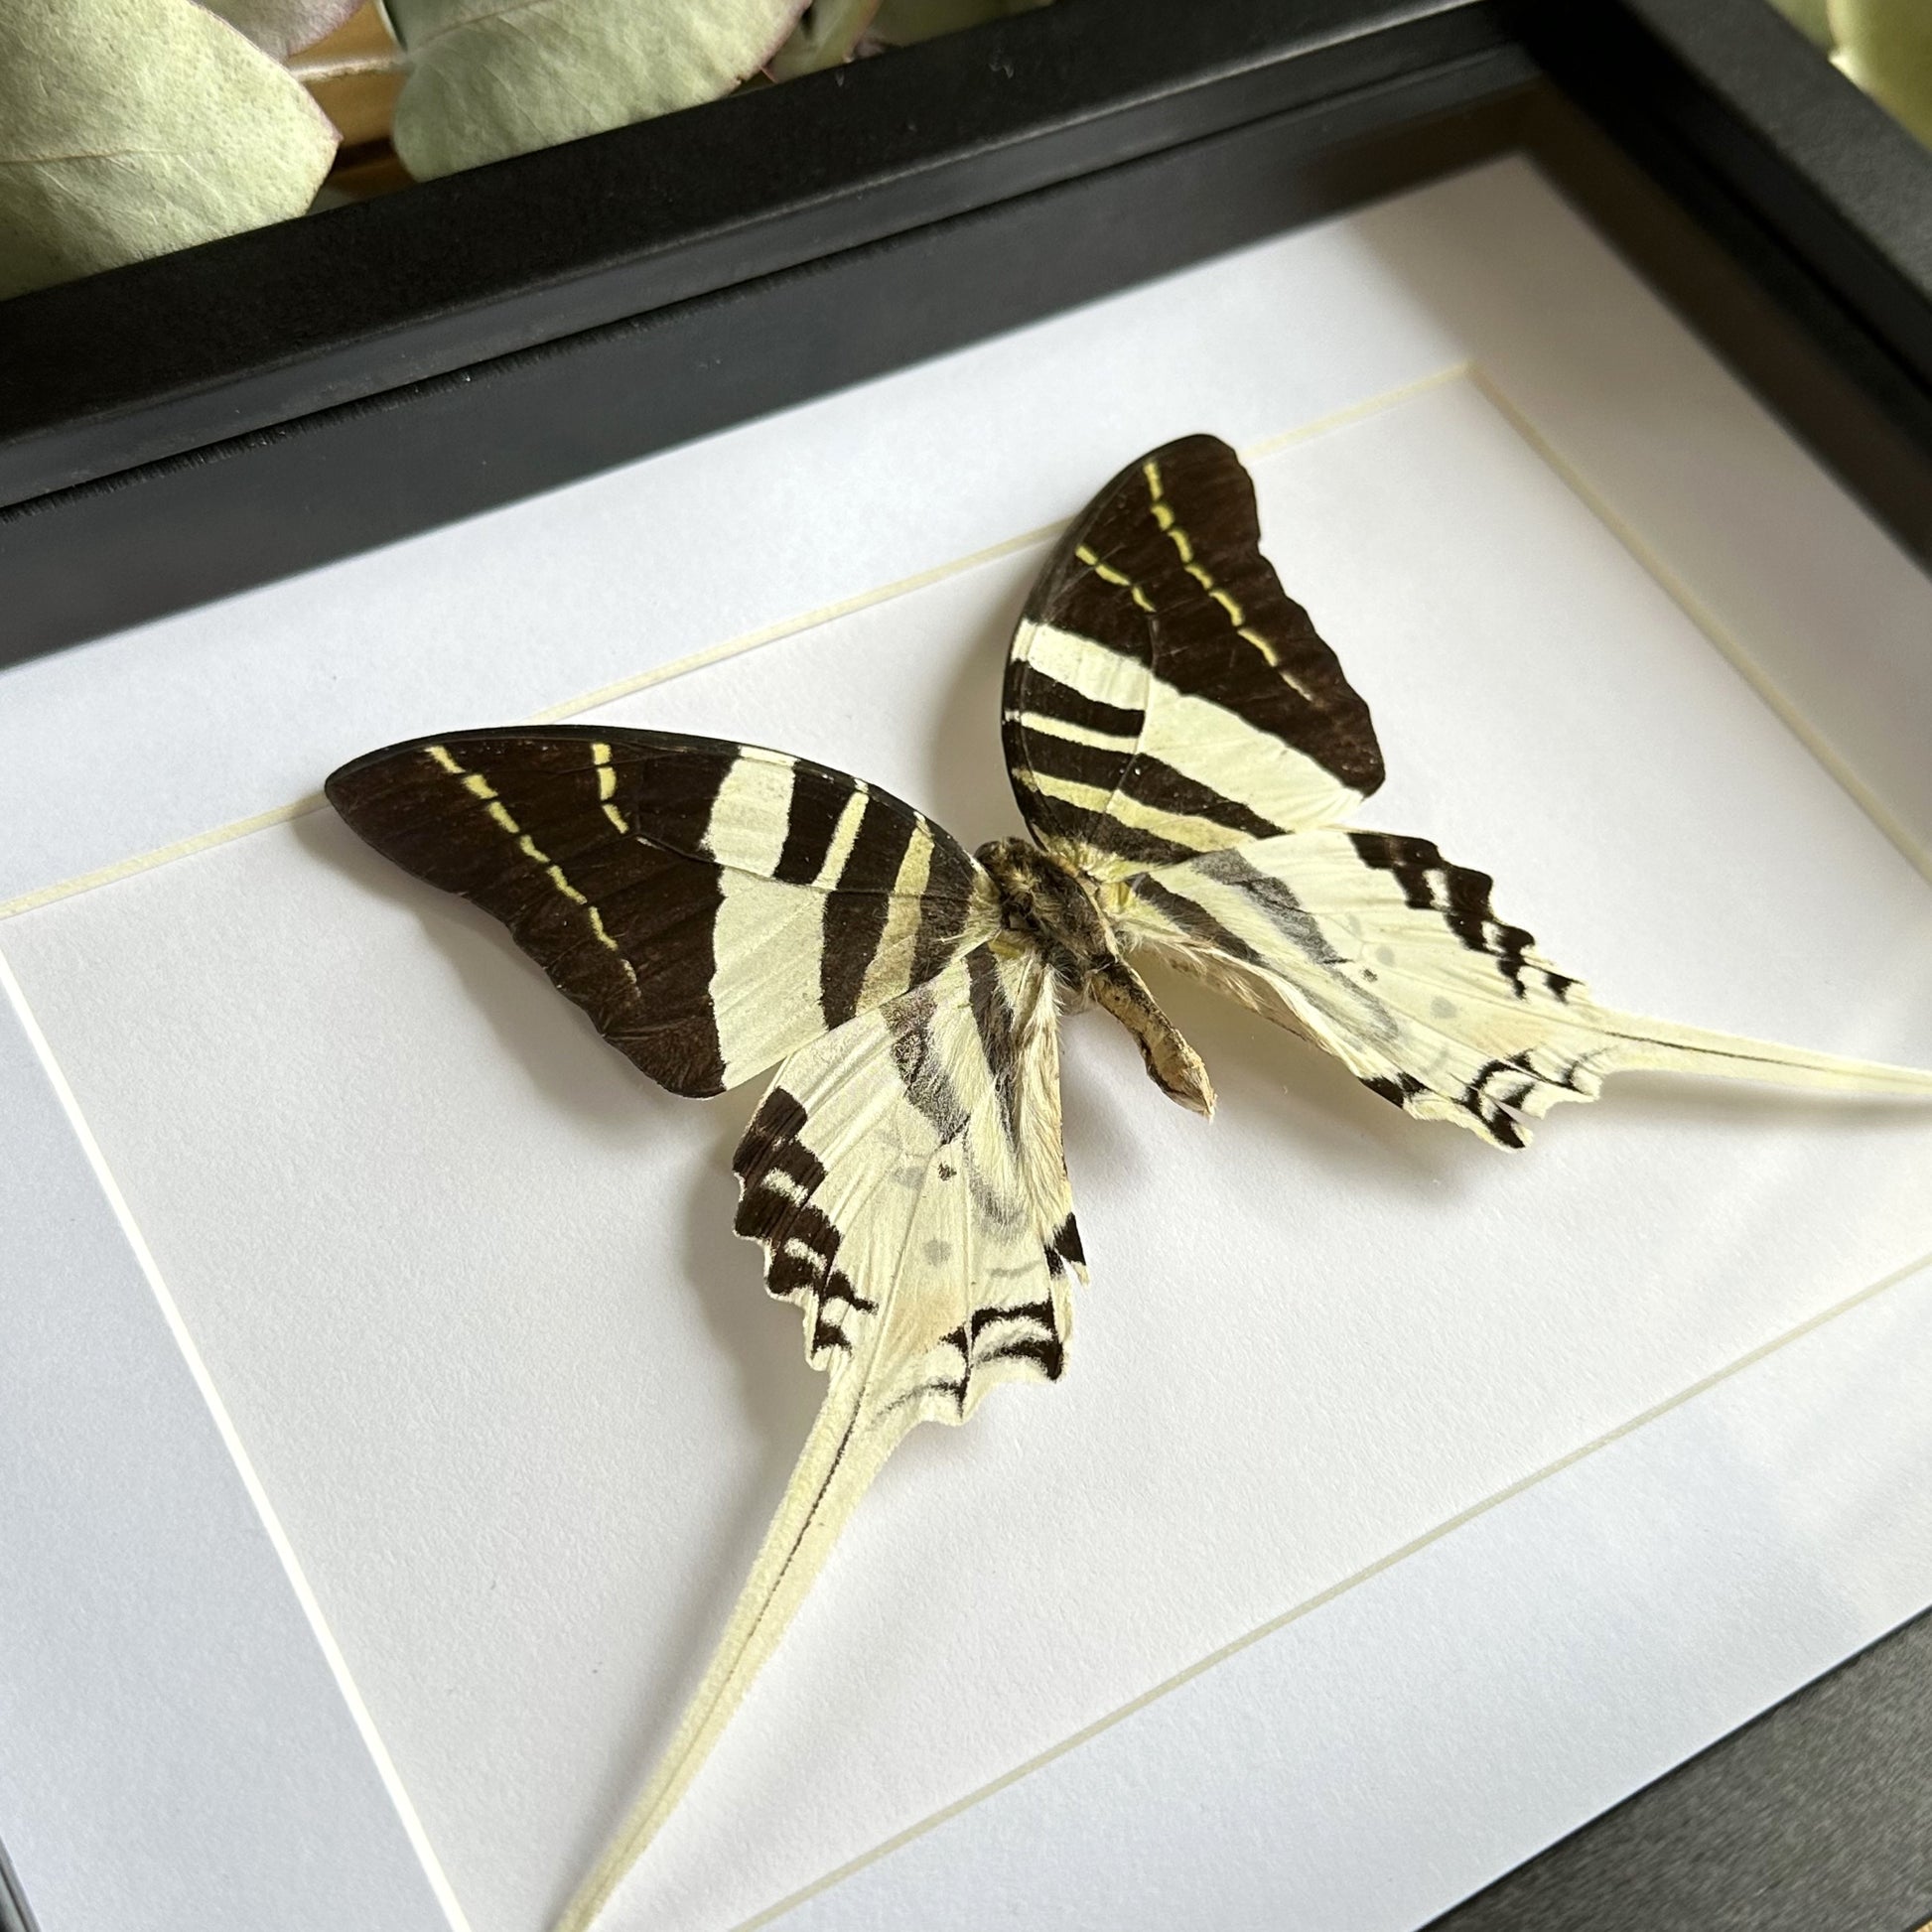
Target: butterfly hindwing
column 1163, row 695
column 710, row 905
column 1394, row 960
column 1379, row 949
column 906, row 1179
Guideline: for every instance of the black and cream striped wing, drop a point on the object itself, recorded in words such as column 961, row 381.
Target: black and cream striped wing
column 906, row 1178
column 711, row 905
column 1379, row 949
column 1163, row 695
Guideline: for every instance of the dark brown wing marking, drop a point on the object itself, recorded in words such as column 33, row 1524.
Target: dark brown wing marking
column 1164, row 696
column 710, row 905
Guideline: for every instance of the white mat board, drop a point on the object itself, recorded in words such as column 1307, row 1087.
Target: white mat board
column 466, row 1282
column 174, row 1751
column 458, row 1426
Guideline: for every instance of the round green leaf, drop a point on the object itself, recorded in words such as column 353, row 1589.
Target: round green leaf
column 495, row 77
column 131, row 127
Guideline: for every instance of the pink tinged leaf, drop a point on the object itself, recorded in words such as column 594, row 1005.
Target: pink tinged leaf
column 283, row 27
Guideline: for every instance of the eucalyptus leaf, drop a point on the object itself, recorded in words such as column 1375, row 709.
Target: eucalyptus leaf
column 899, row 23
column 284, row 27
column 495, row 77
column 1886, row 48
column 825, row 36
column 131, row 127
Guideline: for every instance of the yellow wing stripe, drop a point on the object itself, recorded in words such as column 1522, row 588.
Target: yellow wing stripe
column 607, row 786
column 1183, row 548
column 479, row 786
column 1109, row 575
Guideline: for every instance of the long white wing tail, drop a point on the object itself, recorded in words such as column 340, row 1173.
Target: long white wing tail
column 842, row 1456
column 1395, row 960
column 1660, row 1047
column 905, row 1179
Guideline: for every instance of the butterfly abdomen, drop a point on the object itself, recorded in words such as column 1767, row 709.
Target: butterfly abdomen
column 1044, row 899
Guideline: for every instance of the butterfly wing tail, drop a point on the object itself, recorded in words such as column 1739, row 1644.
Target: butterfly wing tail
column 905, row 1178
column 1395, row 960
column 1659, row 1045
column 847, row 1447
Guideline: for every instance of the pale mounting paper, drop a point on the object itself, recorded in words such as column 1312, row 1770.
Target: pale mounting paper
column 240, row 707
column 468, row 1287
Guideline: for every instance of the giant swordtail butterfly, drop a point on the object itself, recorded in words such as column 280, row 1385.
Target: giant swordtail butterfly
column 1184, row 749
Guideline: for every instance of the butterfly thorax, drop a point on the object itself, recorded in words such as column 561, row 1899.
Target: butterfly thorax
column 1051, row 904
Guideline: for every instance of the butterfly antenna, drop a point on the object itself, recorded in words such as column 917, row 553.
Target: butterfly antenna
column 1660, row 1045
column 847, row 1447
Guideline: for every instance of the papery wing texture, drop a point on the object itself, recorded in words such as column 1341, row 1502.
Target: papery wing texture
column 711, row 905
column 1163, row 695
column 906, row 1178
column 1380, row 950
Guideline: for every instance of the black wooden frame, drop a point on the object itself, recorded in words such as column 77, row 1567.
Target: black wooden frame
column 188, row 427
column 182, row 428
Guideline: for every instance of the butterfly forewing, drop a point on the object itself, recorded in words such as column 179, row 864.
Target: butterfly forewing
column 710, row 905
column 906, row 1178
column 1163, row 695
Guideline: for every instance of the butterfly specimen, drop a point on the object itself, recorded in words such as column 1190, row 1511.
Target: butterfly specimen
column 1183, row 747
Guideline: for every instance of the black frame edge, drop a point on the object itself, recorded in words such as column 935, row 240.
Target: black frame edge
column 1785, row 161
column 181, row 531
column 198, row 347
column 1814, row 1815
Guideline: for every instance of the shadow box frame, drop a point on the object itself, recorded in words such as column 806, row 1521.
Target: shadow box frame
column 182, row 429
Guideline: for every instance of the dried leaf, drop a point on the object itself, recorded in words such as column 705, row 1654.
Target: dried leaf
column 131, row 127
column 899, row 23
column 284, row 27
column 495, row 77
column 825, row 36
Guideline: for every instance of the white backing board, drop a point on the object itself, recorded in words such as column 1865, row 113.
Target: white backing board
column 174, row 1750
column 465, row 1282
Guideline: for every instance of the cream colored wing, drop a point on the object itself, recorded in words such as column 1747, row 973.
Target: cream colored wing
column 905, row 1178
column 710, row 905
column 1164, row 694
column 1380, row 950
